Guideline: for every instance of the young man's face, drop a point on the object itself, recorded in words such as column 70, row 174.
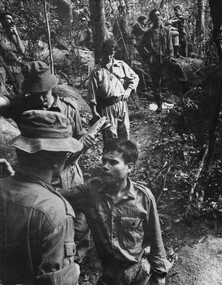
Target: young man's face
column 108, row 53
column 42, row 100
column 115, row 169
column 7, row 20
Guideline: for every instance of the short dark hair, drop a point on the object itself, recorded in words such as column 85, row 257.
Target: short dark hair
column 177, row 7
column 107, row 44
column 141, row 18
column 3, row 14
column 152, row 13
column 126, row 147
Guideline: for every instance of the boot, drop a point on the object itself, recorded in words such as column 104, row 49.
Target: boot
column 159, row 107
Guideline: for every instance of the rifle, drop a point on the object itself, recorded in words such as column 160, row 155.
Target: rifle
column 10, row 75
column 99, row 125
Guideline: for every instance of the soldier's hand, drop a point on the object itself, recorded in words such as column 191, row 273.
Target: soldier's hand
column 5, row 168
column 88, row 140
column 127, row 94
column 96, row 116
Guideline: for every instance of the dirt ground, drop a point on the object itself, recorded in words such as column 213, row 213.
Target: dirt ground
column 197, row 247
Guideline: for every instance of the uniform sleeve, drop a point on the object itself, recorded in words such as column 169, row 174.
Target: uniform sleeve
column 78, row 196
column 57, row 259
column 92, row 88
column 78, row 130
column 132, row 79
column 159, row 264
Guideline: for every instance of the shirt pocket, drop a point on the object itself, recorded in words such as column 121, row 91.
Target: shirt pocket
column 69, row 251
column 131, row 233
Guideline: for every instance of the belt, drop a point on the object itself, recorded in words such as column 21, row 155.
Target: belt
column 110, row 100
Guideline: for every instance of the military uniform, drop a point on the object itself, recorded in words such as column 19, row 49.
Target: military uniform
column 9, row 53
column 72, row 174
column 106, row 89
column 122, row 230
column 157, row 50
column 37, row 231
column 179, row 24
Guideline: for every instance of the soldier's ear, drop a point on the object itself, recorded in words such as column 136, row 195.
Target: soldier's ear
column 130, row 167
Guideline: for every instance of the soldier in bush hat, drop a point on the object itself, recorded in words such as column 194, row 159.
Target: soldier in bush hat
column 37, row 237
column 38, row 85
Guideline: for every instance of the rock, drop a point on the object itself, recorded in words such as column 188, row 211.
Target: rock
column 8, row 130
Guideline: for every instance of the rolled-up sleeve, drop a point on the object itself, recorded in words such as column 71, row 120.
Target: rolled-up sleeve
column 57, row 259
column 92, row 88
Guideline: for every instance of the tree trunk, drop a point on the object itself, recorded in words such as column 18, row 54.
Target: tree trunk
column 200, row 24
column 97, row 12
column 49, row 37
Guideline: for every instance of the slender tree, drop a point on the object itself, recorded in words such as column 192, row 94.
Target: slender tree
column 97, row 11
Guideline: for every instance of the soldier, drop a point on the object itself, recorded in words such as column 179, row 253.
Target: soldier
column 157, row 50
column 123, row 219
column 139, row 28
column 178, row 23
column 11, row 47
column 38, row 85
column 37, row 224
column 110, row 86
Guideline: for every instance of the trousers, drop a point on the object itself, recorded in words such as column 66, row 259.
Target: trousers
column 136, row 274
column 118, row 116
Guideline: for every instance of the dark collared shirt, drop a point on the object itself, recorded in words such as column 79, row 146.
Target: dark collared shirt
column 36, row 234
column 122, row 229
column 156, row 44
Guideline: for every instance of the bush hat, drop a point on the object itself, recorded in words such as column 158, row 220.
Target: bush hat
column 38, row 78
column 45, row 130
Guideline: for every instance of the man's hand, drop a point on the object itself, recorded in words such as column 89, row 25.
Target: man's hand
column 96, row 116
column 127, row 94
column 5, row 168
column 88, row 140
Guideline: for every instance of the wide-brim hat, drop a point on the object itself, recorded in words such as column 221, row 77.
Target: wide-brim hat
column 45, row 130
column 38, row 78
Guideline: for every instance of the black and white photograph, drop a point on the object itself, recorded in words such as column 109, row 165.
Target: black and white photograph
column 110, row 142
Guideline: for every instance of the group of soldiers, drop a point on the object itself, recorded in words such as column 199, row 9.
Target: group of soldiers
column 47, row 212
column 159, row 45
